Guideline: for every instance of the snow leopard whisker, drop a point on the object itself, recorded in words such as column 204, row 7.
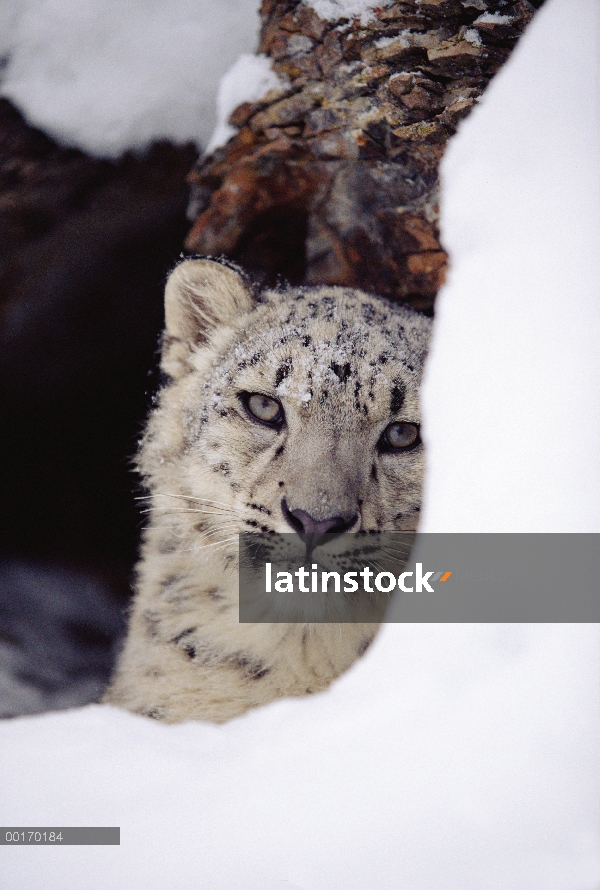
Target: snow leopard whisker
column 204, row 532
column 186, row 497
column 207, row 534
column 213, row 546
column 228, row 525
column 166, row 511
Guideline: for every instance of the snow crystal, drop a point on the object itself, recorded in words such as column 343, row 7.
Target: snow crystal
column 248, row 80
column 472, row 36
column 386, row 41
column 334, row 10
column 112, row 75
column 299, row 43
column 493, row 18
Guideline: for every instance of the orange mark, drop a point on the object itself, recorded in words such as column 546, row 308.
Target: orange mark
column 445, row 576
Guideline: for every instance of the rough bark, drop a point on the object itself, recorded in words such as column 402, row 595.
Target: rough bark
column 334, row 179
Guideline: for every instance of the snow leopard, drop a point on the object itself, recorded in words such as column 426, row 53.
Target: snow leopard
column 291, row 410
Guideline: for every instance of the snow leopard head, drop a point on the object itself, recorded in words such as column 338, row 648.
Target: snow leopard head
column 294, row 410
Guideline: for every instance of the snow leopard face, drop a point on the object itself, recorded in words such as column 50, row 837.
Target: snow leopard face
column 296, row 411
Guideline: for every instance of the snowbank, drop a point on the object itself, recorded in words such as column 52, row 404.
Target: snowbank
column 454, row 757
column 110, row 75
column 512, row 391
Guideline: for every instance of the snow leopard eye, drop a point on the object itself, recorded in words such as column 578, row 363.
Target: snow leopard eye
column 399, row 436
column 263, row 408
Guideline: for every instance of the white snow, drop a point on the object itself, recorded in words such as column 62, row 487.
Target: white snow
column 248, row 80
column 493, row 18
column 9, row 13
column 109, row 75
column 457, row 757
column 384, row 41
column 512, row 390
column 471, row 35
column 401, row 39
column 335, row 10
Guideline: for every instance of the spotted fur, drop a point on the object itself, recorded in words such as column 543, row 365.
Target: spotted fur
column 343, row 365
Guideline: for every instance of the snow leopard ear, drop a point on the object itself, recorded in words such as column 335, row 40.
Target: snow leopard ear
column 200, row 296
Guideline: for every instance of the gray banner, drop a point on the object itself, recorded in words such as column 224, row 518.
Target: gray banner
column 395, row 577
column 58, row 836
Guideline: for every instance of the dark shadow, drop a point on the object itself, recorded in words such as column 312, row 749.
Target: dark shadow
column 274, row 246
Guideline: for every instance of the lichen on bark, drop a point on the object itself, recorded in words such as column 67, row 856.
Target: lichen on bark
column 335, row 177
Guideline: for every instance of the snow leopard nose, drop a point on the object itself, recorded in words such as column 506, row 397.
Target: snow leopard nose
column 311, row 530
